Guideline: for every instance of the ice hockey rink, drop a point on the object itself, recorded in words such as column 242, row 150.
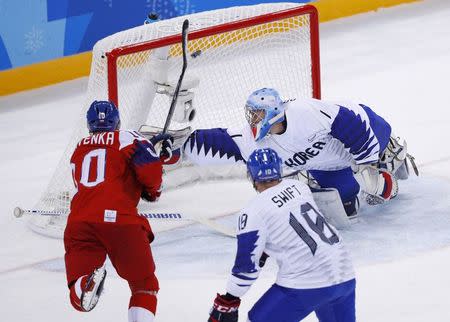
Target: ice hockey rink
column 395, row 60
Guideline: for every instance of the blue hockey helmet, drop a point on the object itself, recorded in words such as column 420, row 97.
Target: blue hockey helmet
column 102, row 116
column 263, row 109
column 264, row 165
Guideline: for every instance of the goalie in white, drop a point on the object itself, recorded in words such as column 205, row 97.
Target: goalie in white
column 282, row 221
column 345, row 146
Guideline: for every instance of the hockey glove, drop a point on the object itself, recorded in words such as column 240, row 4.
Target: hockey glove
column 147, row 197
column 225, row 309
column 379, row 185
column 166, row 141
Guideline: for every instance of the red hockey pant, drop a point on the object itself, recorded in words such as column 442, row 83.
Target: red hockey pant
column 127, row 246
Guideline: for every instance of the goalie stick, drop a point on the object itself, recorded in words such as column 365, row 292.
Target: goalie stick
column 227, row 231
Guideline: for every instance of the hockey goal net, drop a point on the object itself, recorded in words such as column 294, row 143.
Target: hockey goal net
column 233, row 51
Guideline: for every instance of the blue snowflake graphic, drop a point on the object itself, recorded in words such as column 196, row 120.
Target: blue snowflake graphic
column 34, row 40
column 109, row 3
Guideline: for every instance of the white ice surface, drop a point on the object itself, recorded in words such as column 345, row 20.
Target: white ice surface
column 395, row 60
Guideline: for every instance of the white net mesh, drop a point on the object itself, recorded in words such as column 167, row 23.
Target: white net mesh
column 229, row 66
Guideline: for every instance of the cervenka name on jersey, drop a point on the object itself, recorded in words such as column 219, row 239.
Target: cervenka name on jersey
column 319, row 135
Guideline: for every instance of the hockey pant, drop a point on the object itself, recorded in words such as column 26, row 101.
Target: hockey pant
column 128, row 248
column 344, row 182
column 331, row 304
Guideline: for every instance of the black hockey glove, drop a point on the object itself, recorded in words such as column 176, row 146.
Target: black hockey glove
column 225, row 309
column 166, row 141
column 147, row 197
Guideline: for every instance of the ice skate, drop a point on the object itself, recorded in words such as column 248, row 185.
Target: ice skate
column 93, row 289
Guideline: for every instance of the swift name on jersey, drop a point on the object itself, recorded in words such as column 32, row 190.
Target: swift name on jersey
column 285, row 195
column 283, row 222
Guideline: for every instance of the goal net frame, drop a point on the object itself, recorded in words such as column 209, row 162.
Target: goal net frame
column 105, row 82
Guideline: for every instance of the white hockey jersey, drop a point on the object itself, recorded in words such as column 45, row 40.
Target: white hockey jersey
column 319, row 135
column 283, row 221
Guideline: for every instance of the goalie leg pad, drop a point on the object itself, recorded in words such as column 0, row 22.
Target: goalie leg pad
column 330, row 205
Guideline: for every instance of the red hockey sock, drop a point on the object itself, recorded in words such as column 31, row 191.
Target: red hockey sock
column 142, row 307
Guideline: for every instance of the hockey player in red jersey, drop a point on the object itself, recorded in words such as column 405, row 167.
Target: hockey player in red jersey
column 112, row 169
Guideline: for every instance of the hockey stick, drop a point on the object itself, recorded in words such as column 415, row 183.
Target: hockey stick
column 19, row 212
column 184, row 40
column 227, row 231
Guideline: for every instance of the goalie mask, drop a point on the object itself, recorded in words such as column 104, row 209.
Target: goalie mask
column 102, row 116
column 263, row 109
column 264, row 165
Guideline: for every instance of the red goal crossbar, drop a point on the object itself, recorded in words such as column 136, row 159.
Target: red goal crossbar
column 114, row 54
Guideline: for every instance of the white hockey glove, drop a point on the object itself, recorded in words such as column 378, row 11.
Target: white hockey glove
column 395, row 159
column 378, row 185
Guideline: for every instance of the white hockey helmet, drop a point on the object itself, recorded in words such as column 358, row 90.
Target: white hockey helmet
column 263, row 109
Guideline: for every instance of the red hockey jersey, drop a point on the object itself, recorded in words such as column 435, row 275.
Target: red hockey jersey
column 110, row 171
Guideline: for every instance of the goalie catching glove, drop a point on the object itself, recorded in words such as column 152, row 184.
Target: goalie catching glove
column 225, row 309
column 378, row 185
